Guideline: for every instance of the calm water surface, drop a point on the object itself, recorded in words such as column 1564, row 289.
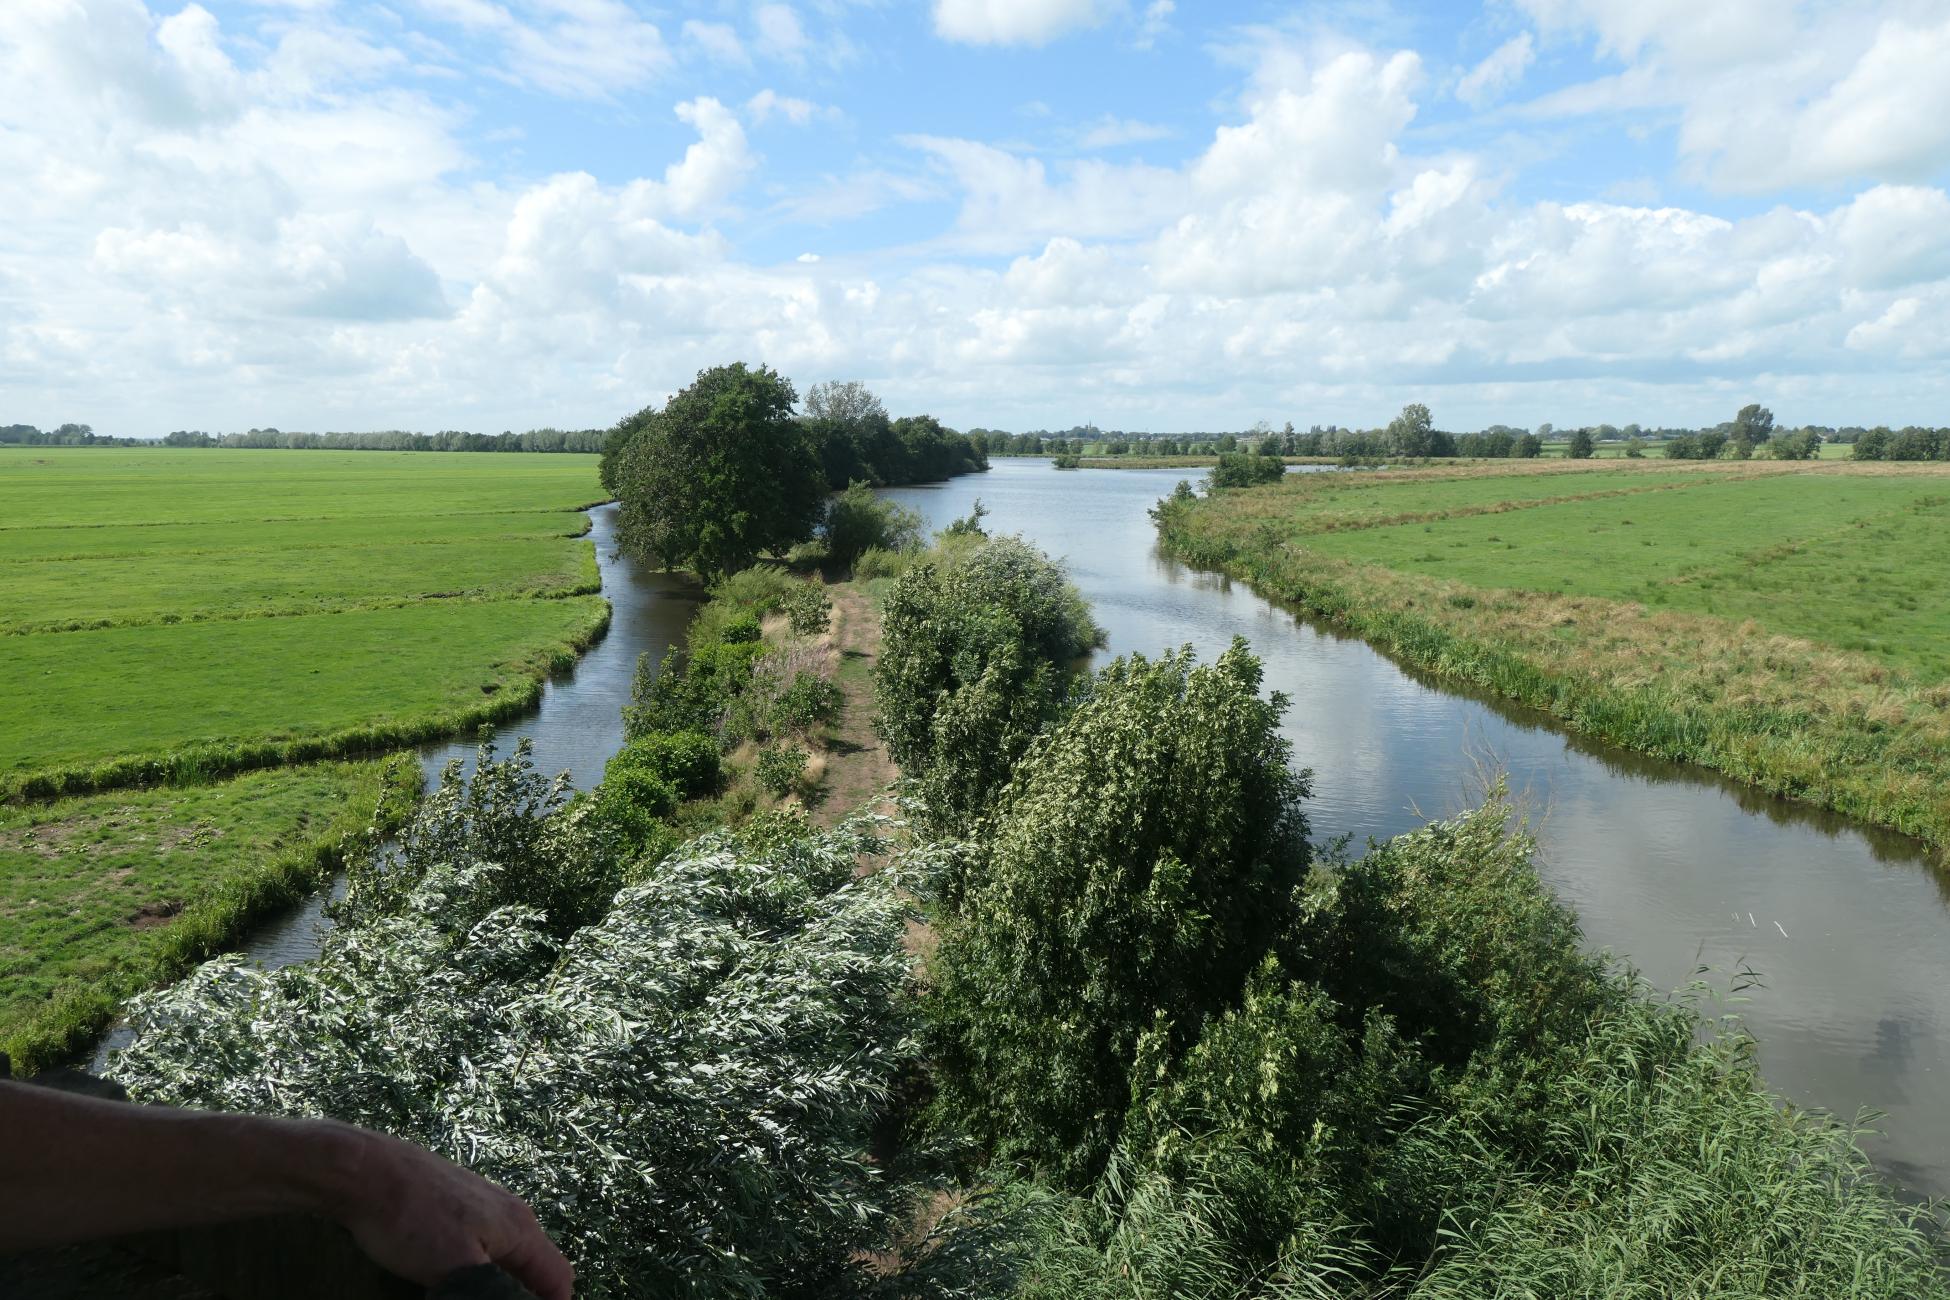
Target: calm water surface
column 576, row 728
column 1669, row 867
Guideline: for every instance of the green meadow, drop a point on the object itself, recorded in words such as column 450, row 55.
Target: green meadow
column 102, row 895
column 172, row 618
column 242, row 607
column 1787, row 624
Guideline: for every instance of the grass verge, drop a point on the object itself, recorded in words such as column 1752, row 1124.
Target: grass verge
column 392, row 668
column 106, row 895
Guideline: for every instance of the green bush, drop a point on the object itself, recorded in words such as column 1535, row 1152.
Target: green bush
column 685, row 1090
column 779, row 769
column 807, row 609
column 740, row 629
column 692, row 690
column 1144, row 858
column 648, row 778
column 860, row 518
column 808, row 701
column 979, row 640
column 1242, row 469
column 877, row 563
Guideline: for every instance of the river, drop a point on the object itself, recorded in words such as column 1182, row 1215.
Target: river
column 1669, row 867
column 576, row 728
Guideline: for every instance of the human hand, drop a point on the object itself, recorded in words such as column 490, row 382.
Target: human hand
column 423, row 1218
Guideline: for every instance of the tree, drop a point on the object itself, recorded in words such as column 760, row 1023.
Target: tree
column 1581, row 446
column 1635, row 448
column 977, row 646
column 721, row 475
column 1531, row 445
column 1754, row 424
column 1146, row 853
column 1411, row 432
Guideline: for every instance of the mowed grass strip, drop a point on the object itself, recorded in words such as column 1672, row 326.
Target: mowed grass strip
column 108, row 541
column 1836, row 697
column 105, row 895
column 119, row 705
column 43, row 487
column 196, row 586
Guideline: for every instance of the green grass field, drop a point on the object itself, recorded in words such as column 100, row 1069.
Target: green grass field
column 173, row 617
column 1787, row 624
column 249, row 605
column 101, row 895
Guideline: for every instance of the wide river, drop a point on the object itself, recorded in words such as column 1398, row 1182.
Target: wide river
column 1678, row 872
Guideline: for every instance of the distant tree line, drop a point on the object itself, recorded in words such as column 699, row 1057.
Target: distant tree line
column 1912, row 443
column 582, row 440
column 68, row 435
column 1413, row 435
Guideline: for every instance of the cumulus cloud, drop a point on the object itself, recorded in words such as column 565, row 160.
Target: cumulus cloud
column 1773, row 95
column 1015, row 22
column 199, row 236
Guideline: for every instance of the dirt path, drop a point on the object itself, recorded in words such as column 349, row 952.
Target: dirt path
column 858, row 770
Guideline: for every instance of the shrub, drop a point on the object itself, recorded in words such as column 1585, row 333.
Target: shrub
column 860, row 518
column 779, row 769
column 740, row 629
column 1242, row 469
column 691, row 690
column 1143, row 860
column 685, row 1091
column 648, row 778
column 808, row 701
column 807, row 609
column 876, row 563
column 978, row 643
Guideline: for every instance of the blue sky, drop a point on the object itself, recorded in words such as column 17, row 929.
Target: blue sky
column 1016, row 213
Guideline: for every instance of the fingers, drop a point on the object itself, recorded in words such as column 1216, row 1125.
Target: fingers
column 539, row 1266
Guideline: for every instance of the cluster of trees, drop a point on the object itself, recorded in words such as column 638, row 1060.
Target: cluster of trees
column 678, row 1058
column 549, row 440
column 727, row 471
column 1911, row 443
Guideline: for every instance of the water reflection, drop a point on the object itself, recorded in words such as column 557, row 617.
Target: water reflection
column 577, row 726
column 1668, row 866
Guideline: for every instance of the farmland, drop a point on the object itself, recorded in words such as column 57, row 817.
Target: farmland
column 163, row 603
column 174, row 617
column 1785, row 624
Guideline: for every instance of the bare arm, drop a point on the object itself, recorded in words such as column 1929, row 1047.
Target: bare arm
column 74, row 1168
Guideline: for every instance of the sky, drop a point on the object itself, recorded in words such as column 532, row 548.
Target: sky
column 505, row 214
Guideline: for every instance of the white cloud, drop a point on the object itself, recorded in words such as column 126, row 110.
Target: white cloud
column 1014, row 22
column 1155, row 23
column 1109, row 132
column 1491, row 79
column 227, row 227
column 1772, row 94
column 780, row 34
column 768, row 103
column 717, row 41
column 579, row 49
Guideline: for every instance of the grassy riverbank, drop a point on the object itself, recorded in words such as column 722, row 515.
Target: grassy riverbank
column 105, row 895
column 1780, row 623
